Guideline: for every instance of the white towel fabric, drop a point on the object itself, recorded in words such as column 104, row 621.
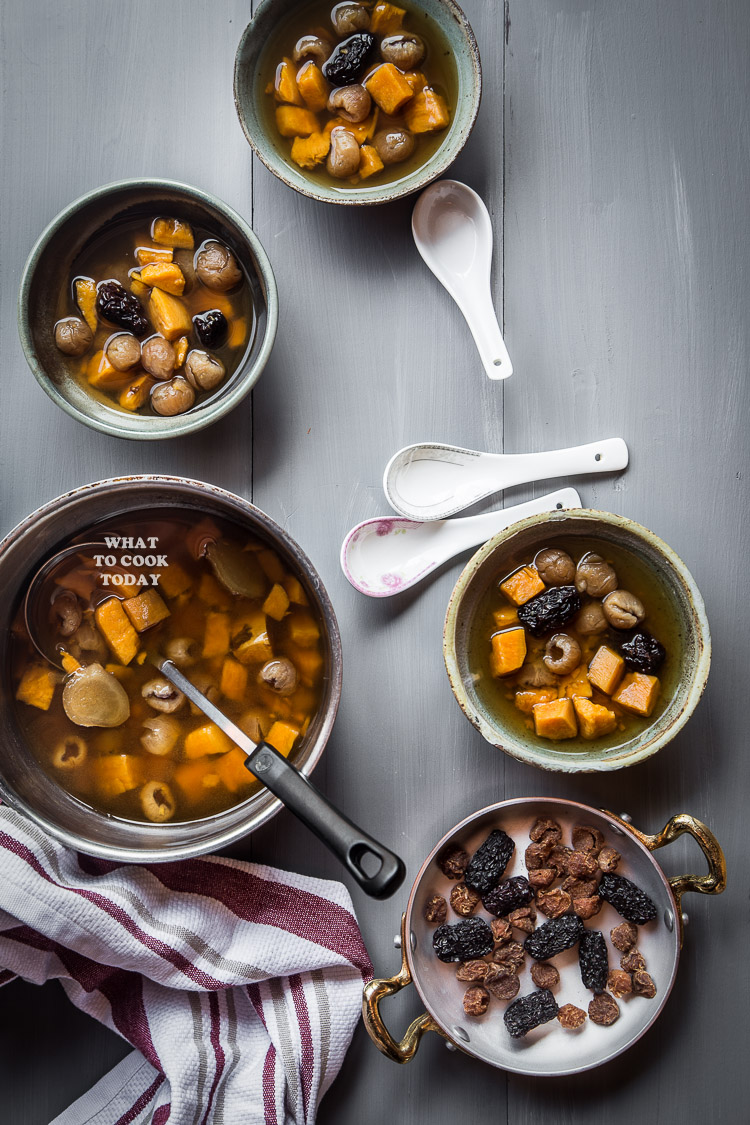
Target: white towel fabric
column 238, row 985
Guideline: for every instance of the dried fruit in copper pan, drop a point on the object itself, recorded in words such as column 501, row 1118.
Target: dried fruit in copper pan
column 586, row 838
column 619, row 983
column 464, row 941
column 524, row 918
column 593, row 960
column 489, row 861
column 544, row 975
column 545, row 829
column 549, row 610
column 473, row 970
column 554, row 937
column 435, row 910
column 604, row 1010
column 501, row 930
column 582, row 865
column 587, row 907
column 542, row 877
column 508, row 895
column 463, row 900
column 571, row 1017
column 624, row 936
column 633, row 962
column 501, row 982
column 643, row 984
column 553, row 903
column 508, row 956
column 609, row 859
column 452, row 861
column 476, row 1000
column 628, row 900
column 528, row 1012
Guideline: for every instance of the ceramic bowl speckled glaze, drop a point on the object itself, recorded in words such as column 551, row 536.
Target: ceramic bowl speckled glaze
column 47, row 272
column 677, row 587
column 249, row 69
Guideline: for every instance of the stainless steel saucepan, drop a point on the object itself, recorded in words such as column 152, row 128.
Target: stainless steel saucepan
column 548, row 1050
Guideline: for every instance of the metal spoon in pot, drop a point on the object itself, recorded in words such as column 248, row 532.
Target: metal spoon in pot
column 386, row 555
column 453, row 232
column 431, row 481
column 349, row 843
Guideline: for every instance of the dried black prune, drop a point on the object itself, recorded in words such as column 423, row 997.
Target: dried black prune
column 629, row 901
column 529, row 1012
column 549, row 610
column 119, row 307
column 554, row 936
column 464, row 941
column 643, row 653
column 508, row 895
column 211, row 327
column 489, row 861
column 593, row 960
column 344, row 66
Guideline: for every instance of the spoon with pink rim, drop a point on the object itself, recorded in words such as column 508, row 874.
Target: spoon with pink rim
column 386, row 555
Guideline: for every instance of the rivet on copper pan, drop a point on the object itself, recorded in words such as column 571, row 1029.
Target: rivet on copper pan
column 669, row 920
column 461, row 1033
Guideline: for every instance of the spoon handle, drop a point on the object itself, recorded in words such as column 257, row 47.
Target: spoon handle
column 347, row 842
column 470, row 530
column 483, row 324
column 597, row 457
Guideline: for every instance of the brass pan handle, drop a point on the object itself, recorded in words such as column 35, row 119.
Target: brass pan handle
column 711, row 884
column 376, row 991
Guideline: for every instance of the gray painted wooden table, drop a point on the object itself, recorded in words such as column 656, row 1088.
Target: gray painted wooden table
column 612, row 149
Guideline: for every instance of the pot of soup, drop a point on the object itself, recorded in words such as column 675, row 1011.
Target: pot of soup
column 99, row 749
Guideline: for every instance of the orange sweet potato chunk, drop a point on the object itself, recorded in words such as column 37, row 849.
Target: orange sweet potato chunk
column 116, row 629
column 369, row 162
column 136, row 393
column 505, row 616
column 310, row 151
column 526, row 701
column 386, row 19
column 508, row 651
column 523, row 585
column 145, row 610
column 294, row 121
column 555, row 720
column 388, row 88
column 638, row 693
column 605, row 669
column 285, row 87
column 100, row 373
column 37, row 686
column 594, row 721
column 313, row 87
column 427, row 112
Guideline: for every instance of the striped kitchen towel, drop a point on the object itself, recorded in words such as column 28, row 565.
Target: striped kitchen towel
column 239, row 986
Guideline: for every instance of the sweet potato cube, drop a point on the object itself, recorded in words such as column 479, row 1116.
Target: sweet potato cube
column 195, row 779
column 359, row 130
column 427, row 112
column 526, row 701
column 233, row 682
column 277, row 602
column 101, row 374
column 216, row 636
column 313, row 87
column 638, row 693
column 113, row 624
column 136, row 393
column 181, row 350
column 310, row 151
column 386, row 19
column 271, row 565
column 369, row 162
column 148, row 254
column 173, row 232
column 212, row 594
column 145, row 610
column 508, row 651
column 416, row 80
column 576, row 683
column 303, row 629
column 37, row 686
column 294, row 121
column 505, row 616
column 233, row 772
column 206, row 740
column 309, row 664
column 169, row 315
column 594, row 721
column 388, row 88
column 164, row 275
column 285, row 84
column 175, row 580
column 250, row 640
column 116, row 774
column 606, row 669
column 282, row 736
column 85, row 291
column 294, row 589
column 523, row 585
column 555, row 720
column 137, row 287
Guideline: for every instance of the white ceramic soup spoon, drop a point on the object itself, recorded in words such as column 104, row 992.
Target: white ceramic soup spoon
column 386, row 555
column 453, row 233
column 431, row 481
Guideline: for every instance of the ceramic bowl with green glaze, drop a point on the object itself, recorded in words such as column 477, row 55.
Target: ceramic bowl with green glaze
column 688, row 647
column 251, row 69
column 47, row 274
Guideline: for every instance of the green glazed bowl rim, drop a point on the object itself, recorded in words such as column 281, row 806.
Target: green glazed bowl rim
column 440, row 161
column 161, row 428
column 648, row 742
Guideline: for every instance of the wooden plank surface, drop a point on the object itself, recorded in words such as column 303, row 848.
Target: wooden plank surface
column 612, row 150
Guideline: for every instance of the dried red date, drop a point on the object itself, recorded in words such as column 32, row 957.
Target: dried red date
column 593, row 960
column 549, row 610
column 528, row 1012
column 508, row 895
column 643, row 653
column 486, row 866
column 544, row 975
column 628, row 900
column 435, row 910
column 624, row 936
column 604, row 1010
column 554, row 937
column 464, row 941
column 463, row 900
column 119, row 307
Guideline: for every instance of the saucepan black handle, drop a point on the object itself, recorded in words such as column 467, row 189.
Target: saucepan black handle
column 349, row 843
